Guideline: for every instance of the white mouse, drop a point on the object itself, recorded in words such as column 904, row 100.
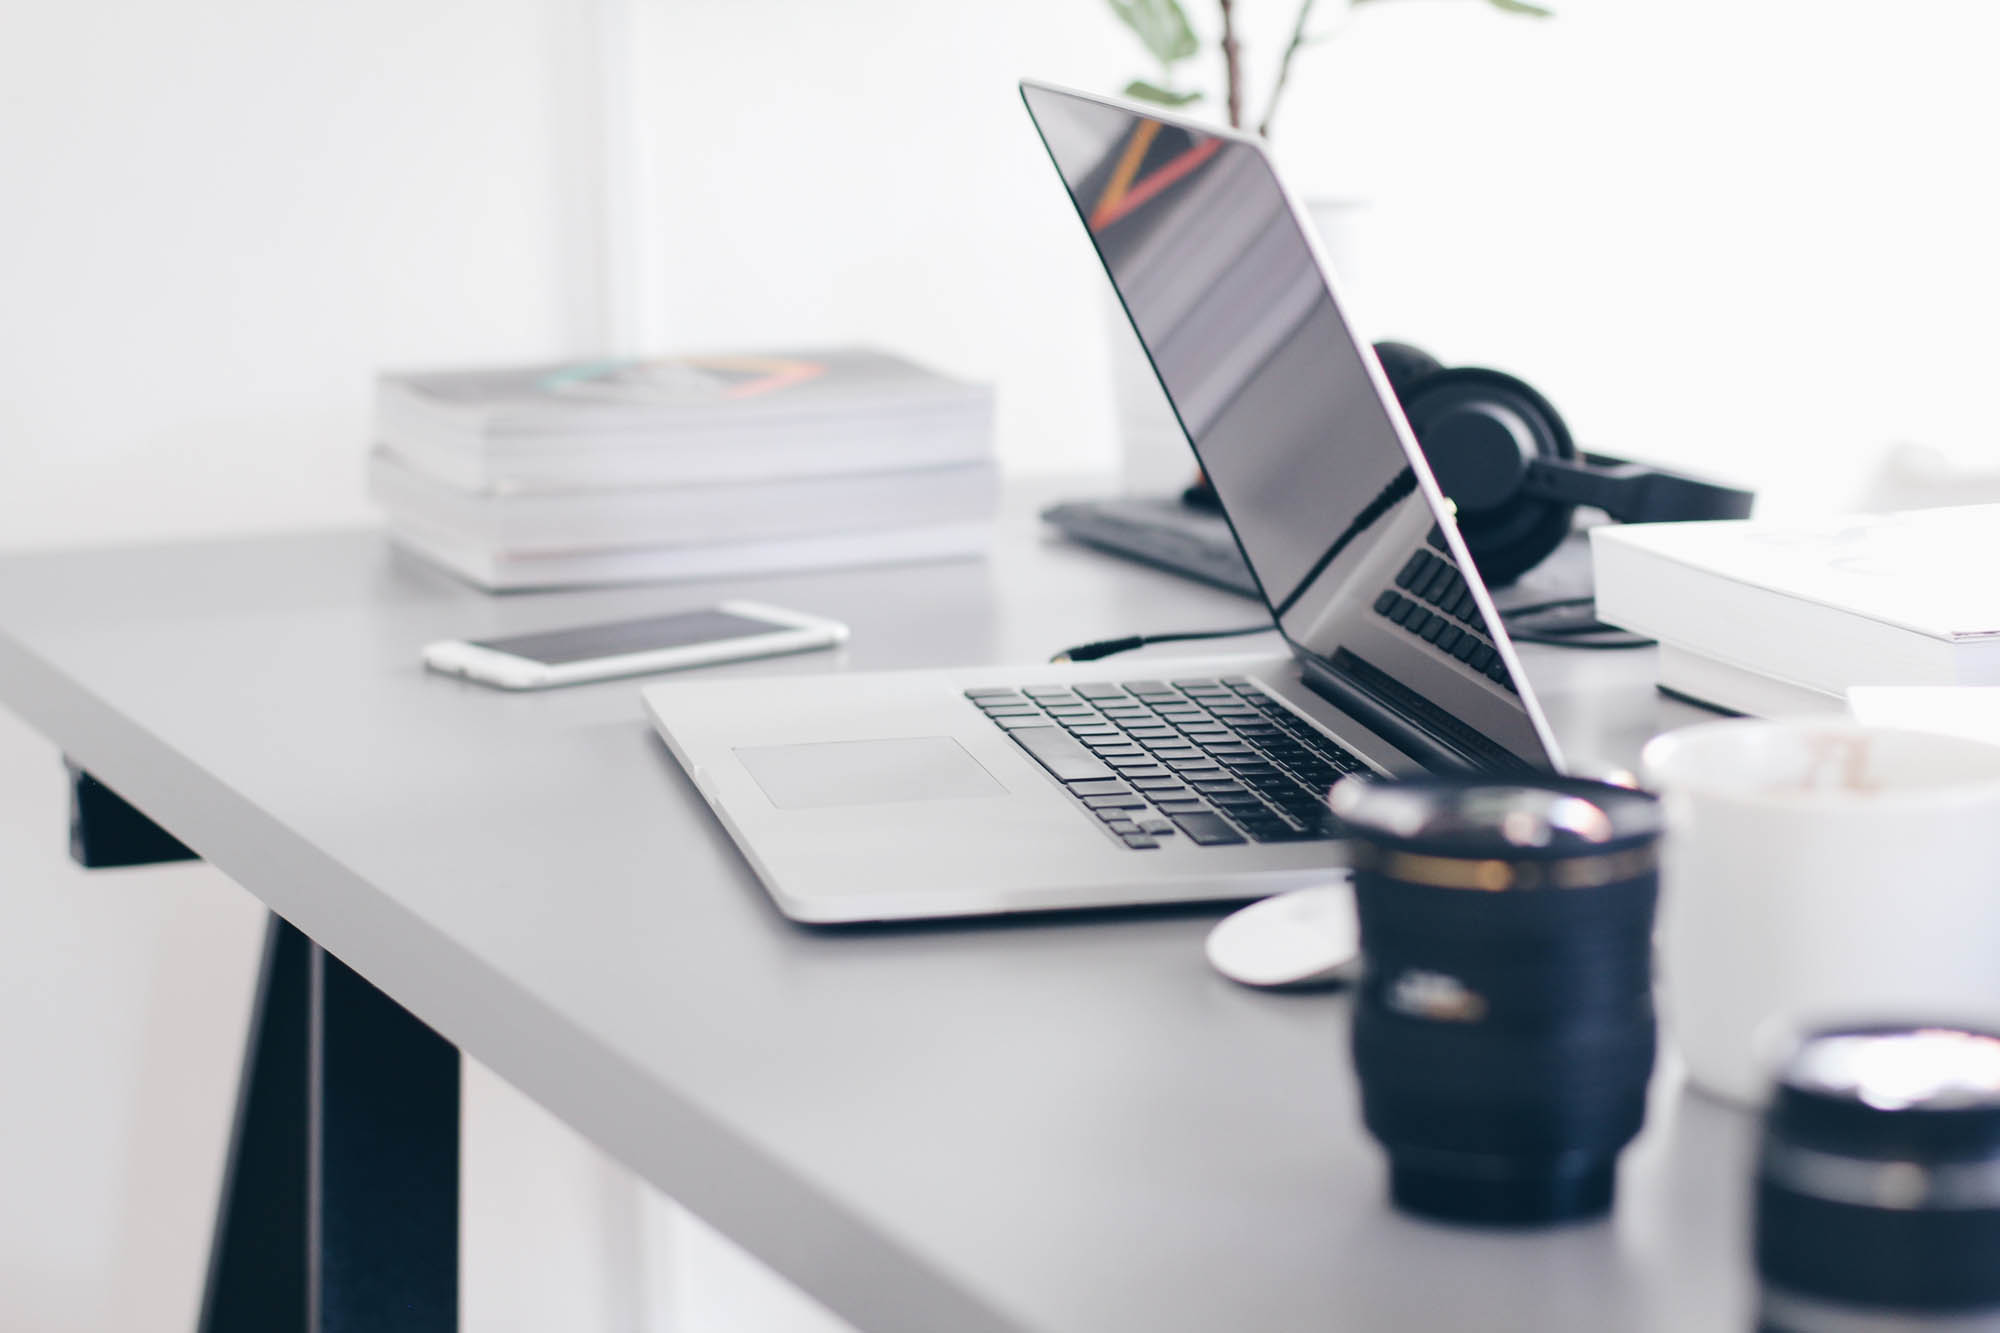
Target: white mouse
column 1296, row 940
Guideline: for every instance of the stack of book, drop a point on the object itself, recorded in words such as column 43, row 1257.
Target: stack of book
column 1783, row 618
column 627, row 471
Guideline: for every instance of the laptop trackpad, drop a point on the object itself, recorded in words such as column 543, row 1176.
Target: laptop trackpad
column 917, row 768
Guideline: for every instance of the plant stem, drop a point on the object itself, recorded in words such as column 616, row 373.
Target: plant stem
column 1232, row 63
column 1284, row 65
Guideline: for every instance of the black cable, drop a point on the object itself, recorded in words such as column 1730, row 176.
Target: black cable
column 1558, row 635
column 1593, row 645
column 1572, row 631
column 1090, row 652
column 1534, row 608
column 1554, row 636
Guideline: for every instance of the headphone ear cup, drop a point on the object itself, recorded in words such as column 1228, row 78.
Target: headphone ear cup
column 1406, row 366
column 1480, row 429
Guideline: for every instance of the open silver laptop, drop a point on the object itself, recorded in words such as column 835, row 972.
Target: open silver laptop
column 941, row 793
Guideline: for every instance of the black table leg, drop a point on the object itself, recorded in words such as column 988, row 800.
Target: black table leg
column 339, row 1209
column 107, row 830
column 257, row 1261
column 382, row 1244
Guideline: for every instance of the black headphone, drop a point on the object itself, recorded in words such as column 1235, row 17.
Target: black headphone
column 1505, row 458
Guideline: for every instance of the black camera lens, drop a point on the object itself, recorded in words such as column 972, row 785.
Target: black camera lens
column 1878, row 1190
column 1503, row 1028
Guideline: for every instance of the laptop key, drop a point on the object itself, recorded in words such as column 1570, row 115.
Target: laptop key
column 1415, row 566
column 1133, row 774
column 1207, row 830
column 1157, row 827
column 992, row 692
column 1284, row 833
column 1061, row 753
column 1023, row 720
column 1115, row 802
column 1099, row 690
column 1106, row 787
column 1140, row 840
column 1179, row 807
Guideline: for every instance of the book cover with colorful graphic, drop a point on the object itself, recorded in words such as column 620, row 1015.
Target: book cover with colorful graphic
column 579, row 396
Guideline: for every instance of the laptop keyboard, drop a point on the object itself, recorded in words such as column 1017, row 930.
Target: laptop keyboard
column 1435, row 605
column 1213, row 762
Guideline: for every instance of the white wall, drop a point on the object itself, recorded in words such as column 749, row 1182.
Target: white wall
column 221, row 214
column 1754, row 236
column 865, row 170
column 1751, row 235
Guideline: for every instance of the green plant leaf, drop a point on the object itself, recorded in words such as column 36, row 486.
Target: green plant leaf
column 1142, row 91
column 1161, row 25
column 1522, row 7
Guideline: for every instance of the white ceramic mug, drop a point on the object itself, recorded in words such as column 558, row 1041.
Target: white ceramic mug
column 1818, row 872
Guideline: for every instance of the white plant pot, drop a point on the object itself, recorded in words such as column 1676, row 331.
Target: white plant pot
column 1154, row 458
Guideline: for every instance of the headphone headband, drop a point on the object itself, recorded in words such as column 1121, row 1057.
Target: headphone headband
column 1502, row 452
column 1633, row 492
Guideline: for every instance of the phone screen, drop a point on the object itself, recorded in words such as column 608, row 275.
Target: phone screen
column 589, row 642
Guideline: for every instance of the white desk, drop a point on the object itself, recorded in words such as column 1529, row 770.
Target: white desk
column 1047, row 1126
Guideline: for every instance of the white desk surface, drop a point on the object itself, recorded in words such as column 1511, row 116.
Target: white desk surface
column 1064, row 1125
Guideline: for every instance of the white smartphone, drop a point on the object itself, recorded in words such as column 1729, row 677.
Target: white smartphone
column 726, row 632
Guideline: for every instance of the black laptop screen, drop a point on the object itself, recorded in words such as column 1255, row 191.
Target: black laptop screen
column 1278, row 398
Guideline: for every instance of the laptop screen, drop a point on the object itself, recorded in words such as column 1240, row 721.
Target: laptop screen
column 1282, row 405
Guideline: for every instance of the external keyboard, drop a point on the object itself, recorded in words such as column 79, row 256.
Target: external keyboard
column 1216, row 762
column 1160, row 530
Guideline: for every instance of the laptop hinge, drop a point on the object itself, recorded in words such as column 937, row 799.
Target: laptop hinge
column 1371, row 713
